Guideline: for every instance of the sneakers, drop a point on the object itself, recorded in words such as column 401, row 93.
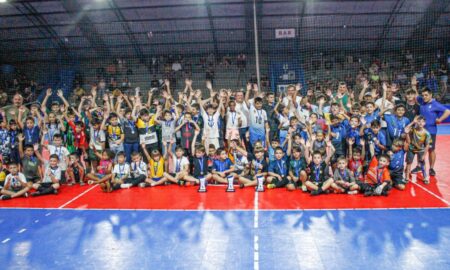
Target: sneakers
column 417, row 169
column 304, row 189
column 432, row 172
column 26, row 195
column 426, row 181
column 125, row 185
column 316, row 192
column 55, row 191
column 271, row 186
column 352, row 192
column 5, row 197
column 82, row 184
column 90, row 182
column 241, row 185
column 142, row 185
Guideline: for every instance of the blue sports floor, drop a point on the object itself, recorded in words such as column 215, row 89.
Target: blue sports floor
column 322, row 239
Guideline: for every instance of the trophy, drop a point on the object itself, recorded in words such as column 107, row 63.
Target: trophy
column 202, row 187
column 230, row 187
column 260, row 183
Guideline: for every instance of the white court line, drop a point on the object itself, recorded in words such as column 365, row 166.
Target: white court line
column 79, row 195
column 256, row 237
column 433, row 194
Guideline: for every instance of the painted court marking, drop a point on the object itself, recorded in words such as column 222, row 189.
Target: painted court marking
column 432, row 193
column 78, row 196
column 256, row 237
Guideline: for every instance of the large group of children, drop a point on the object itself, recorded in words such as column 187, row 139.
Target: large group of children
column 318, row 143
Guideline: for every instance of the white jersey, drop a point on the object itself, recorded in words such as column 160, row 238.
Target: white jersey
column 97, row 138
column 62, row 154
column 233, row 119
column 257, row 118
column 49, row 171
column 15, row 181
column 139, row 168
column 121, row 170
column 211, row 126
column 292, row 108
column 179, row 163
column 243, row 109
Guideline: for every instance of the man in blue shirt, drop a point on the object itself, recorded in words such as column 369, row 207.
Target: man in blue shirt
column 434, row 113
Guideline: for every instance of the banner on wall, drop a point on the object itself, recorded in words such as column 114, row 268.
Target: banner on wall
column 285, row 33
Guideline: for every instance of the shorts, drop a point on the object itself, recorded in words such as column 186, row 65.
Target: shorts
column 232, row 134
column 156, row 178
column 410, row 156
column 100, row 175
column 433, row 142
column 33, row 179
column 397, row 177
column 92, row 156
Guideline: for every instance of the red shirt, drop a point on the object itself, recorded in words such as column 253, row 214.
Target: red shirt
column 79, row 138
column 356, row 166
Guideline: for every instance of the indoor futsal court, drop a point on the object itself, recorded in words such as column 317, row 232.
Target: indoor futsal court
column 90, row 86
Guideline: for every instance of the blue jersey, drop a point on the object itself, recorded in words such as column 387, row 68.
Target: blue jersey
column 395, row 125
column 397, row 160
column 371, row 117
column 279, row 167
column 31, row 135
column 339, row 130
column 431, row 111
column 221, row 166
column 354, row 134
column 381, row 137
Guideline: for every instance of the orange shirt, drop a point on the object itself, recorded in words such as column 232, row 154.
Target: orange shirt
column 377, row 175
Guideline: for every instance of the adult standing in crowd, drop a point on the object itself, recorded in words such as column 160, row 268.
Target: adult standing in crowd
column 434, row 113
column 12, row 110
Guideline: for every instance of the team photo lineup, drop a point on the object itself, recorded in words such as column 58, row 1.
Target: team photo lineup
column 361, row 140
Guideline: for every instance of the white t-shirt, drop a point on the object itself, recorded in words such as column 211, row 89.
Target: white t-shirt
column 139, row 168
column 284, row 120
column 258, row 118
column 121, row 170
column 243, row 109
column 211, row 127
column 179, row 164
column 286, row 103
column 62, row 154
column 240, row 161
column 233, row 119
column 97, row 137
column 15, row 181
column 55, row 172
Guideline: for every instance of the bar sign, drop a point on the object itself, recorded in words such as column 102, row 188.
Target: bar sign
column 285, row 33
